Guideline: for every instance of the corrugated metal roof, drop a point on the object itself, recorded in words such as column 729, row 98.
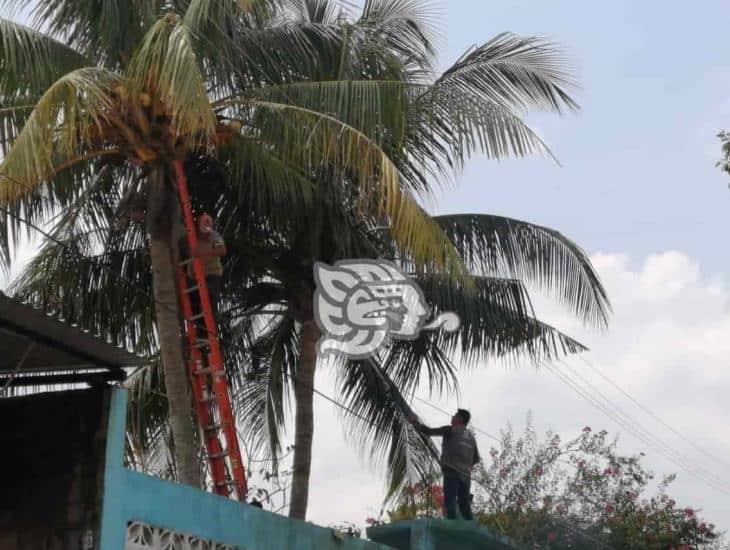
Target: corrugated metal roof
column 58, row 347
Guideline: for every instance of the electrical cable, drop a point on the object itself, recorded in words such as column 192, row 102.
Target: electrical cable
column 648, row 411
column 633, row 426
column 630, row 427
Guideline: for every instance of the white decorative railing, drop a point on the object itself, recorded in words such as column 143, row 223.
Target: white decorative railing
column 141, row 536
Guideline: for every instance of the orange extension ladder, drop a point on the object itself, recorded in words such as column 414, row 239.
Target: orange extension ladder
column 205, row 366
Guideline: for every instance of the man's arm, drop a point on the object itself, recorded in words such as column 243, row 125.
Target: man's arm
column 477, row 458
column 216, row 247
column 425, row 430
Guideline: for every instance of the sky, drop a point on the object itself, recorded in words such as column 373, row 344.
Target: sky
column 638, row 189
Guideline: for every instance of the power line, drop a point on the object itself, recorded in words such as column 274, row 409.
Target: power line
column 630, row 424
column 680, row 459
column 648, row 411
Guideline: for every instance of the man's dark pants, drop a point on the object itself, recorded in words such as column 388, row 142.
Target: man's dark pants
column 457, row 489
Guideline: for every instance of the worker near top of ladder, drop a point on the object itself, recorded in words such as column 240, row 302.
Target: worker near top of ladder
column 210, row 249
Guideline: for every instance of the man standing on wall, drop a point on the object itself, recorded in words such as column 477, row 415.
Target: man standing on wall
column 459, row 454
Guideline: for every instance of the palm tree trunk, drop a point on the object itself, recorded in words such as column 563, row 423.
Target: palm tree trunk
column 168, row 328
column 304, row 430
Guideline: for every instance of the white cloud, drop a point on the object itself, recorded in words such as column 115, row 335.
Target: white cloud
column 667, row 345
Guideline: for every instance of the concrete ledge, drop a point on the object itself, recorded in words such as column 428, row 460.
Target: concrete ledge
column 438, row 534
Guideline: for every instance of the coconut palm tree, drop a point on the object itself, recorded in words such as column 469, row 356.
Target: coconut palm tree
column 91, row 99
column 427, row 126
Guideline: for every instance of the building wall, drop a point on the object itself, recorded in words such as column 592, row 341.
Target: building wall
column 53, row 447
column 143, row 513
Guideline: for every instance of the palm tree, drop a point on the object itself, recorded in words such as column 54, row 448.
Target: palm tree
column 474, row 105
column 93, row 104
column 471, row 107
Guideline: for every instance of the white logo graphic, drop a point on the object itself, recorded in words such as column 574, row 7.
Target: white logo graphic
column 359, row 304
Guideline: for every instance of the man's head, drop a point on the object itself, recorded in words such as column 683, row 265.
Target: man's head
column 205, row 224
column 461, row 418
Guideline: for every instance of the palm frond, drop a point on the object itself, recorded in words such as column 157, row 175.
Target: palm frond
column 404, row 27
column 262, row 398
column 330, row 142
column 58, row 131
column 514, row 72
column 262, row 181
column 377, row 423
column 327, row 12
column 165, row 64
column 31, row 62
column 103, row 30
column 536, row 255
column 13, row 116
column 497, row 322
column 84, row 245
column 375, row 108
column 149, row 445
column 447, row 127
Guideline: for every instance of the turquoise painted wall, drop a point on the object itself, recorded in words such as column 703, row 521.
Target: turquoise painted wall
column 439, row 534
column 131, row 496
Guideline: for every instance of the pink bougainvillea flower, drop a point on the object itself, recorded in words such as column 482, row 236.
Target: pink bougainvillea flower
column 587, row 429
column 689, row 512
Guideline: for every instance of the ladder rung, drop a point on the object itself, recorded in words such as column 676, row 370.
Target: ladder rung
column 208, row 399
column 191, row 289
column 212, row 428
column 186, row 262
column 224, row 453
column 198, row 316
column 210, row 371
column 201, row 343
column 225, row 483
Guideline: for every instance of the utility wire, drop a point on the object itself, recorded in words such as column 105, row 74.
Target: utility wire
column 626, row 420
column 679, row 458
column 629, row 425
column 648, row 411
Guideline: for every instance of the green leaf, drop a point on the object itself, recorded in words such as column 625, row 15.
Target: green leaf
column 30, row 62
column 505, row 247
